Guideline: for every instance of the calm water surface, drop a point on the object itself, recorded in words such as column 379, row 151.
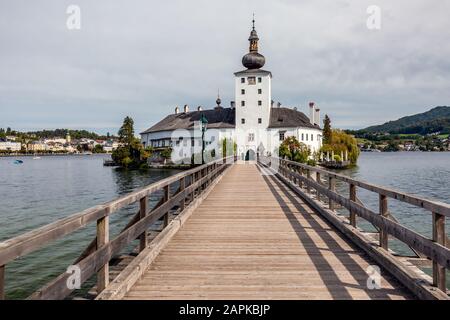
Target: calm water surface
column 41, row 191
column 418, row 173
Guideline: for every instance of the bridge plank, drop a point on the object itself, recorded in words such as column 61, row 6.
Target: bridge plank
column 252, row 238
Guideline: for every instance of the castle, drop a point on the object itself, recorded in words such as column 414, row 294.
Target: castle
column 253, row 121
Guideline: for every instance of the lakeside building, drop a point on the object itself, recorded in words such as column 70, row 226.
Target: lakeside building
column 253, row 121
column 10, row 146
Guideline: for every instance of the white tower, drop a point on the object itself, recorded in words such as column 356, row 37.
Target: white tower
column 253, row 100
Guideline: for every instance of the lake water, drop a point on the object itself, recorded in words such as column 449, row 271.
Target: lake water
column 38, row 192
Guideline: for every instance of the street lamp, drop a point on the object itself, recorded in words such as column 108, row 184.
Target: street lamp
column 204, row 124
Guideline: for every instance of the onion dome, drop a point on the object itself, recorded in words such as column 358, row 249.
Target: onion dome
column 218, row 101
column 253, row 59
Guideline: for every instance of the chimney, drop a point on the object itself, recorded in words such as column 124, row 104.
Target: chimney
column 232, row 104
column 199, row 108
column 177, row 110
column 295, row 108
column 317, row 117
column 278, row 104
column 186, row 108
column 311, row 112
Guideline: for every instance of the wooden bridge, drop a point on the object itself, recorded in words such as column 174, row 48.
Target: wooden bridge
column 266, row 230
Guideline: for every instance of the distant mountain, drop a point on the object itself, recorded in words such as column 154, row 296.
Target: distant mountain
column 434, row 120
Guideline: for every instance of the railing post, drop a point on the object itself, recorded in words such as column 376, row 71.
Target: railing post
column 103, row 239
column 352, row 217
column 384, row 212
column 439, row 279
column 142, row 213
column 308, row 176
column 182, row 187
column 166, row 198
column 331, row 187
column 319, row 181
column 202, row 175
column 300, row 182
column 2, row 282
column 191, row 196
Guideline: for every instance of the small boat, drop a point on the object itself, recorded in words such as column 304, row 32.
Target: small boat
column 18, row 161
column 36, row 158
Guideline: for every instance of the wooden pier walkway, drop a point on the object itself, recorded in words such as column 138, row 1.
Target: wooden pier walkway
column 252, row 238
column 274, row 229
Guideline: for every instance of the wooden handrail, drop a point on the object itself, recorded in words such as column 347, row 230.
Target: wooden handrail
column 435, row 249
column 431, row 205
column 95, row 259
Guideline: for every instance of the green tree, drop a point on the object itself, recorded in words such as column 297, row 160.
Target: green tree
column 392, row 146
column 294, row 150
column 327, row 132
column 224, row 147
column 341, row 142
column 229, row 147
column 130, row 153
column 166, row 154
column 98, row 149
column 126, row 131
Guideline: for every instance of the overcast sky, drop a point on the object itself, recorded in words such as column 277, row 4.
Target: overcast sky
column 143, row 58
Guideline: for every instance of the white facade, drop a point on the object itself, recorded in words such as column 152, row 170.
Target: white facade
column 10, row 146
column 312, row 138
column 253, row 99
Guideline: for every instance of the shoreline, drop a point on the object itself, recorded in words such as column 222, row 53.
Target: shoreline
column 49, row 155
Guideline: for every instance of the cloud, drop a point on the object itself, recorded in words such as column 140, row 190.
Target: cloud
column 142, row 58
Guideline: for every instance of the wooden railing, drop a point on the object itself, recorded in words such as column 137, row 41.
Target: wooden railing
column 311, row 180
column 95, row 259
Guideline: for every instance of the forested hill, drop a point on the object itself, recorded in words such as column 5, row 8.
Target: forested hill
column 434, row 120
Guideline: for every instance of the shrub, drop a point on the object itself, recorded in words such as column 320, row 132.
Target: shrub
column 294, row 150
column 341, row 142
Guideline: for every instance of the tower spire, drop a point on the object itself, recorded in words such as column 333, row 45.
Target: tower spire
column 253, row 60
column 218, row 101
